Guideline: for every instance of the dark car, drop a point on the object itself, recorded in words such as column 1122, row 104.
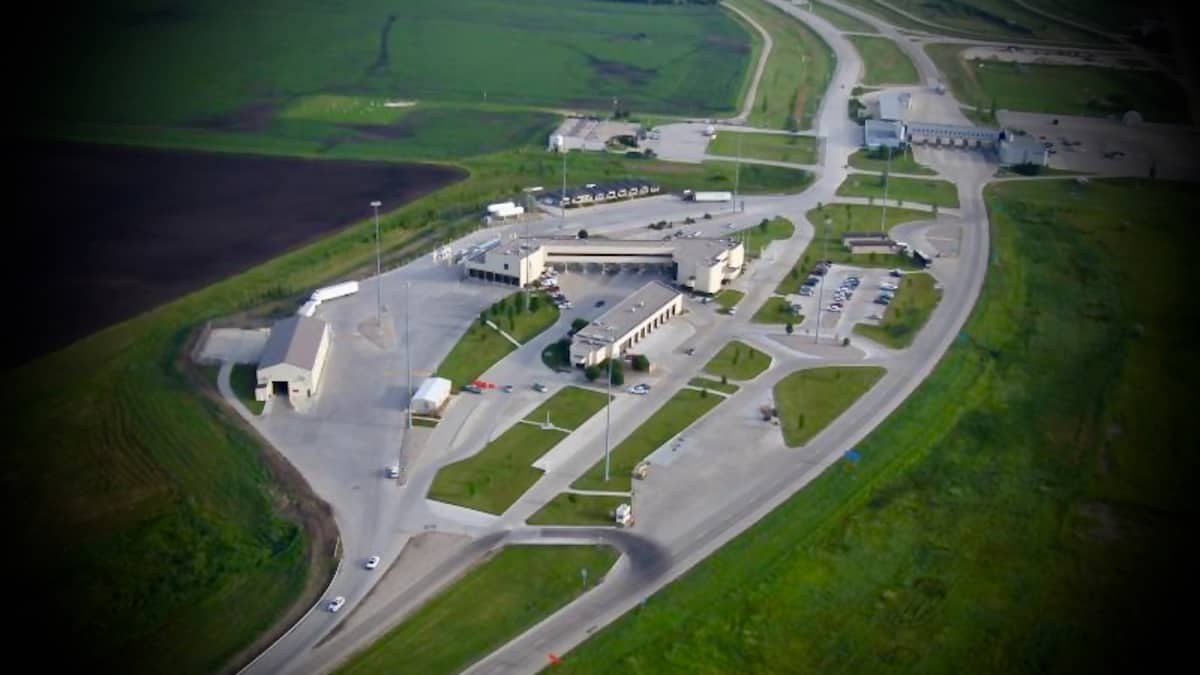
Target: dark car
column 472, row 388
column 599, row 303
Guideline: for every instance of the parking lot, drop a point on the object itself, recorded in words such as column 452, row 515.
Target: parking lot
column 842, row 303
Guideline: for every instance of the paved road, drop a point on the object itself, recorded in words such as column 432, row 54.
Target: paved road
column 357, row 425
column 768, row 44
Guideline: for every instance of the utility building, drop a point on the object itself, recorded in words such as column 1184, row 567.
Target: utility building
column 626, row 324
column 293, row 359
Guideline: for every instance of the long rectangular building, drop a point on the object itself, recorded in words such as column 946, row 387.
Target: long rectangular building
column 612, row 334
column 702, row 265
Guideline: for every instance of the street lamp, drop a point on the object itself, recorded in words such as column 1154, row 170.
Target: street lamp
column 378, row 270
column 608, row 402
column 821, row 292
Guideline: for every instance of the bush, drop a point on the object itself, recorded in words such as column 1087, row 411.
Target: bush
column 1027, row 169
column 591, row 373
column 582, row 234
column 578, row 325
column 641, row 363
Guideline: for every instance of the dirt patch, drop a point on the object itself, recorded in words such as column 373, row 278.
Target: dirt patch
column 257, row 116
column 798, row 109
column 143, row 227
column 628, row 74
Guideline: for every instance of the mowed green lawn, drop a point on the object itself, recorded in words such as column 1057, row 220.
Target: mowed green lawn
column 903, row 319
column 244, row 380
column 773, row 147
column 569, row 508
column 877, row 160
column 883, row 62
column 716, row 385
column 1065, row 90
column 498, row 475
column 738, row 361
column 808, row 400
column 482, row 346
column 493, row 603
column 840, row 19
column 728, row 299
column 1028, row 502
column 758, row 237
column 677, row 414
column 797, row 71
column 917, row 190
column 777, row 310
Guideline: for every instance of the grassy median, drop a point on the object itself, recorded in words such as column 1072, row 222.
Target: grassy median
column 878, row 161
column 493, row 479
column 903, row 319
column 766, row 231
column 482, row 346
column 1028, row 502
column 492, row 604
column 677, row 414
column 728, row 299
column 772, row 147
column 900, row 189
column 777, row 310
column 569, row 508
column 808, row 400
column 716, row 385
column 883, row 61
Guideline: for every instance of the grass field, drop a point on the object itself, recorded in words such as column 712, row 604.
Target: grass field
column 777, row 310
column 797, row 71
column 1026, row 504
column 571, row 509
column 808, row 400
column 498, row 475
column 758, row 237
column 244, row 380
column 728, row 299
column 868, row 160
column 677, row 414
column 1066, row 90
column 481, row 347
column 883, row 62
column 840, row 19
column 904, row 318
column 738, row 361
column 715, row 385
column 773, row 147
column 903, row 190
column 521, row 584
column 983, row 19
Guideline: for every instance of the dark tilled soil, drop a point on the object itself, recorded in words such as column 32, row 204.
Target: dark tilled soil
column 99, row 234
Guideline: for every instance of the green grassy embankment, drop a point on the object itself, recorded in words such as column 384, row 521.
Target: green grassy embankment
column 903, row 319
column 883, row 62
column 877, row 161
column 808, row 400
column 777, row 310
column 758, row 237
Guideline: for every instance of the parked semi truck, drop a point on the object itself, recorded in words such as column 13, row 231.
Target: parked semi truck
column 693, row 196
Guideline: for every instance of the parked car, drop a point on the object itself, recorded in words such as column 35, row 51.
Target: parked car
column 883, row 300
column 393, row 471
column 639, row 389
column 336, row 604
column 835, row 308
column 474, row 389
column 690, row 351
column 806, row 290
column 888, row 286
column 372, row 562
column 599, row 303
column 539, row 387
column 897, row 272
column 508, row 388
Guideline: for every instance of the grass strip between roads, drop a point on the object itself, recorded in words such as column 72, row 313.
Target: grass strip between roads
column 716, row 385
column 772, row 147
column 777, row 310
column 903, row 319
column 569, row 508
column 738, row 361
column 481, row 346
column 492, row 604
column 900, row 189
column 758, row 237
column 808, row 400
column 1029, row 501
column 883, row 61
column 498, row 475
column 244, row 380
column 677, row 414
column 728, row 299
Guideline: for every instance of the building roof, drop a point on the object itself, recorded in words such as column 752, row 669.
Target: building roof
column 864, row 235
column 706, row 251
column 882, row 131
column 893, row 104
column 627, row 314
column 294, row 341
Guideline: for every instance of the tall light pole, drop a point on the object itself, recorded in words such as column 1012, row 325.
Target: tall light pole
column 821, row 292
column 737, row 171
column 608, row 402
column 408, row 350
column 378, row 270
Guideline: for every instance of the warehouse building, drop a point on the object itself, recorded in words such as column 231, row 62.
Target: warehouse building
column 883, row 134
column 293, row 360
column 893, row 106
column 701, row 265
column 1023, row 150
column 629, row 322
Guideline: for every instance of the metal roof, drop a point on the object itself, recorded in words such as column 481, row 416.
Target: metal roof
column 294, row 341
column 627, row 314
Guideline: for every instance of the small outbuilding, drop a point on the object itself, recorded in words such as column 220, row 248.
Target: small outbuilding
column 431, row 396
column 293, row 360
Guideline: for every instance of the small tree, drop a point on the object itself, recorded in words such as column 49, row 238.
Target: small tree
column 591, row 373
column 582, row 234
column 935, row 210
column 519, row 305
column 703, row 393
column 800, row 421
column 724, row 379
column 789, row 328
column 641, row 363
column 483, row 318
column 578, row 325
column 762, row 225
column 535, row 302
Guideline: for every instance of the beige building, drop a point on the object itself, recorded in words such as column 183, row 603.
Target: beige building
column 627, row 323
column 293, row 360
column 702, row 265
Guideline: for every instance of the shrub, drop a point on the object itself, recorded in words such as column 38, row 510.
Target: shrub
column 591, row 373
column 641, row 363
column 578, row 325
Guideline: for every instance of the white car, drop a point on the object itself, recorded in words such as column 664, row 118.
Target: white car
column 336, row 604
column 888, row 287
column 639, row 389
column 393, row 471
column 835, row 308
column 372, row 562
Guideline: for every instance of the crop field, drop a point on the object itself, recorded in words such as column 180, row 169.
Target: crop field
column 189, row 69
column 797, row 72
column 1028, row 503
column 774, row 147
column 1066, row 90
column 883, row 62
column 900, row 189
column 492, row 604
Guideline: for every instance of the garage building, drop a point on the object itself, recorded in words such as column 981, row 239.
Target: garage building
column 293, row 360
column 626, row 324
